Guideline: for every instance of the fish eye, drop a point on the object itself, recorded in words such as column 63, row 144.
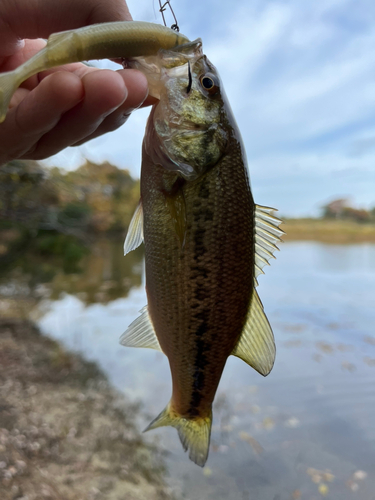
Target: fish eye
column 210, row 83
column 207, row 82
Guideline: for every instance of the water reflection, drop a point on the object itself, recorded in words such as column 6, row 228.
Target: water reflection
column 101, row 276
column 105, row 275
column 306, row 431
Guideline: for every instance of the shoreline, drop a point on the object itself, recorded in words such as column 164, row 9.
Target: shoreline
column 328, row 231
column 65, row 433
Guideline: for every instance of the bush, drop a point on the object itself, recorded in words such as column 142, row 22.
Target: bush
column 74, row 215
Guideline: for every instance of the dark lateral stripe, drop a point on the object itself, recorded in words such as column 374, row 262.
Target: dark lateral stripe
column 198, row 271
column 197, row 394
column 199, row 247
column 200, row 362
column 200, row 275
column 204, row 191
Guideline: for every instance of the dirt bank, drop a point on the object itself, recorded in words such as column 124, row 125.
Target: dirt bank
column 64, row 433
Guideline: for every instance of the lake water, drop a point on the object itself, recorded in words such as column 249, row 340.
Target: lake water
column 307, row 431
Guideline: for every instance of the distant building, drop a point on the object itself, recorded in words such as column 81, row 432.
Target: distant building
column 336, row 209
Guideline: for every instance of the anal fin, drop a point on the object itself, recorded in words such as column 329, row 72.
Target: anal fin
column 141, row 333
column 256, row 345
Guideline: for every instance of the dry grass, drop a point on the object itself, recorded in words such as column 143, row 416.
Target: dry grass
column 329, row 231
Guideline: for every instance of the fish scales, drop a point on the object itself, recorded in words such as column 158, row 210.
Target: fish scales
column 199, row 295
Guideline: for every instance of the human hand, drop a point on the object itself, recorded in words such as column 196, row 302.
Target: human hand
column 68, row 105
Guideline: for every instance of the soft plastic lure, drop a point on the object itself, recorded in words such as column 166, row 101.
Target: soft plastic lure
column 98, row 41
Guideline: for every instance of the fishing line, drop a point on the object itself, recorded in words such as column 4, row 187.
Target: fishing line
column 162, row 9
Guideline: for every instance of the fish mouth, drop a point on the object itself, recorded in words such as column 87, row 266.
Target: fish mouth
column 193, row 129
column 178, row 123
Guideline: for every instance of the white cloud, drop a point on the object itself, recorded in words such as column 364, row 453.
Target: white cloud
column 283, row 92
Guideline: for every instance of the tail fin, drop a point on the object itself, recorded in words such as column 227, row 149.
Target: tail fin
column 194, row 433
column 8, row 85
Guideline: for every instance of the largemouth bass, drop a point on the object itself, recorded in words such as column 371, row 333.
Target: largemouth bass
column 98, row 41
column 205, row 239
column 205, row 243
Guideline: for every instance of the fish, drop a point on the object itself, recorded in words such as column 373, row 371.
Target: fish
column 115, row 40
column 205, row 240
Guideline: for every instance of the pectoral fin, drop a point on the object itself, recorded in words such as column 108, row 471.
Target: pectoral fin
column 175, row 201
column 134, row 236
column 177, row 208
column 141, row 333
column 256, row 345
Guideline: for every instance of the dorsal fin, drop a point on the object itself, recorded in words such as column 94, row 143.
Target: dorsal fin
column 134, row 236
column 141, row 333
column 267, row 234
column 256, row 345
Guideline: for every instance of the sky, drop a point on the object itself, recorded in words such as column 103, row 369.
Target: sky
column 300, row 77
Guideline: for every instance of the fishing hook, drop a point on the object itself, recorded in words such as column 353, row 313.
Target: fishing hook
column 163, row 9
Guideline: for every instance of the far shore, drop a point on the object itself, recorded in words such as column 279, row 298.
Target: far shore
column 328, row 231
